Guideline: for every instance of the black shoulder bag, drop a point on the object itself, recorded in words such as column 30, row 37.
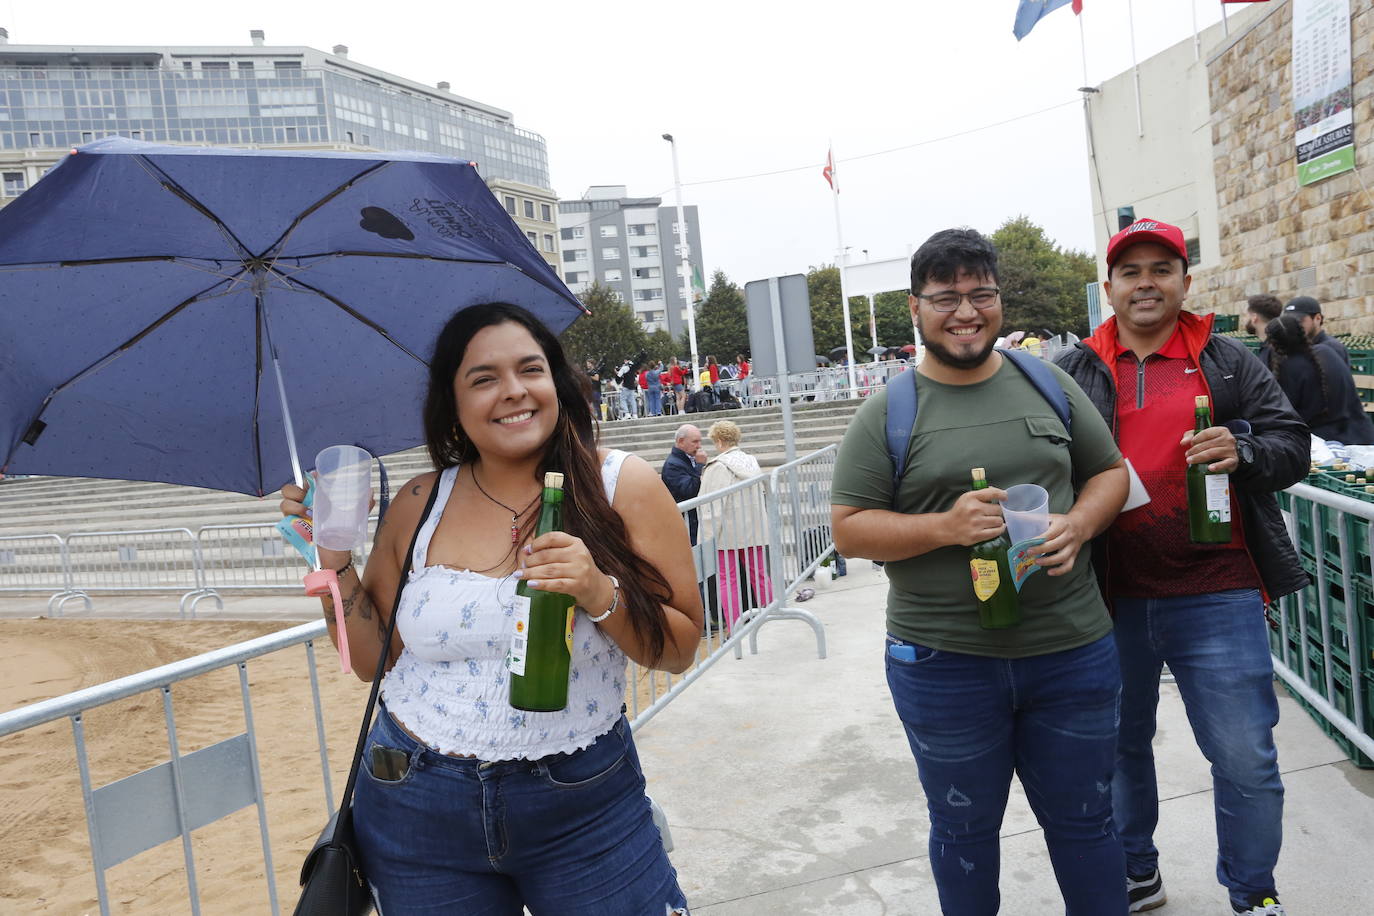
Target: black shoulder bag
column 332, row 879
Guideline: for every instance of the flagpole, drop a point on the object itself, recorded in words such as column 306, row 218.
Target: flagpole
column 1197, row 41
column 1225, row 26
column 1083, row 48
column 844, row 288
column 1135, row 69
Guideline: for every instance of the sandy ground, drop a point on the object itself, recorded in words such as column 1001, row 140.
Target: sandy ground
column 45, row 864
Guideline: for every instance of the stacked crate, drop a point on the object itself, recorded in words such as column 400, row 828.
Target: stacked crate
column 1320, row 551
column 1361, row 347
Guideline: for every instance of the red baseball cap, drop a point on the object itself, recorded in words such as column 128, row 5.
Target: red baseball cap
column 1147, row 230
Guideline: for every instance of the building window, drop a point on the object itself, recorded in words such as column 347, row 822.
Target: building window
column 510, row 204
column 529, row 209
column 647, row 273
column 286, row 65
column 1194, row 251
column 546, row 213
column 548, row 241
column 246, row 67
column 610, row 254
column 645, row 251
column 608, row 232
column 533, row 237
column 649, row 295
column 642, row 229
column 219, row 66
column 574, row 232
column 575, row 276
column 575, row 254
column 613, row 275
column 14, row 184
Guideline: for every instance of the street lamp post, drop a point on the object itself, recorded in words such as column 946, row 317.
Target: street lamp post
column 686, row 265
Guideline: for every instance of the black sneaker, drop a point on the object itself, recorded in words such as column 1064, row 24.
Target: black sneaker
column 1266, row 904
column 1146, row 892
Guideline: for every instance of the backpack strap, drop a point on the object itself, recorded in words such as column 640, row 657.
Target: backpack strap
column 902, row 404
column 901, row 421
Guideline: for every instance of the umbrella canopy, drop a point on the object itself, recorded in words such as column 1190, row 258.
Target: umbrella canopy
column 839, row 353
column 908, row 348
column 822, row 360
column 144, row 291
column 875, row 351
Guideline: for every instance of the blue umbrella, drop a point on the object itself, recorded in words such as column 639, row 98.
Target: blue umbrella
column 153, row 297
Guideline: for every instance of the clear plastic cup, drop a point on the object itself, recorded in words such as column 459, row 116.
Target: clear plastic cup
column 1027, row 511
column 343, row 490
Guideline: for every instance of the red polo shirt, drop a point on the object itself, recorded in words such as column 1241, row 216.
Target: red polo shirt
column 1151, row 555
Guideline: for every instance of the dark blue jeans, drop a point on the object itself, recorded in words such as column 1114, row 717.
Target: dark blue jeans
column 1218, row 650
column 566, row 834
column 972, row 721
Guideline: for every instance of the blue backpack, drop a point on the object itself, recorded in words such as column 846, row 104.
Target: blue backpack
column 901, row 406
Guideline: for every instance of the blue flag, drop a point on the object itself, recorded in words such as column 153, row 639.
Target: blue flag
column 1030, row 12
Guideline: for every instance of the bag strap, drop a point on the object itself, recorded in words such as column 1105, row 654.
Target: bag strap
column 902, row 404
column 346, row 801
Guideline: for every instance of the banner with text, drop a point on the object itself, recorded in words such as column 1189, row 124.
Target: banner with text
column 1322, row 98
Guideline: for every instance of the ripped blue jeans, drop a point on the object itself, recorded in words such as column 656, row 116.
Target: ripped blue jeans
column 973, row 721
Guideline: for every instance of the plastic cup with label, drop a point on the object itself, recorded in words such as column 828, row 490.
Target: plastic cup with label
column 1027, row 512
column 343, row 492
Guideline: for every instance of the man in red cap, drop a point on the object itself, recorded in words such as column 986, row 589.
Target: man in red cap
column 1196, row 607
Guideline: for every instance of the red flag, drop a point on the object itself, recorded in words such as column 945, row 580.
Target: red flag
column 829, row 170
column 1078, row 7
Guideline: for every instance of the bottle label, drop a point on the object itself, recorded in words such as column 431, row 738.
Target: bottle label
column 520, row 639
column 568, row 632
column 1218, row 497
column 985, row 578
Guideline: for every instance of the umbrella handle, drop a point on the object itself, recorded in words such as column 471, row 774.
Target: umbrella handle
column 323, row 582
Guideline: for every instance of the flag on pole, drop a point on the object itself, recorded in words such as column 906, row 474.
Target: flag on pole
column 1032, row 11
column 829, row 170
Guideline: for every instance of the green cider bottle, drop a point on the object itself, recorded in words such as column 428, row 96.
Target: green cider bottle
column 993, row 585
column 541, row 647
column 1209, row 494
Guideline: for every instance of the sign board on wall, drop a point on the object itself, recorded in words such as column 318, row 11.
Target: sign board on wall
column 1323, row 109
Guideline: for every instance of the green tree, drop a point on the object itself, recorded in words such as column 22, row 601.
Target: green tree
column 722, row 323
column 661, row 346
column 1042, row 285
column 827, row 318
column 607, row 336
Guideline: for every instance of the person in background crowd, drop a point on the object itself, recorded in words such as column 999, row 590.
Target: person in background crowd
column 1199, row 608
column 677, row 377
column 1259, row 311
column 713, row 368
column 654, row 388
column 625, row 378
column 1037, row 700
column 594, row 374
column 682, row 470
column 742, row 366
column 1309, row 312
column 1318, row 384
column 739, row 525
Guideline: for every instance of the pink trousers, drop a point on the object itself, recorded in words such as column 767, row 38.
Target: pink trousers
column 755, row 560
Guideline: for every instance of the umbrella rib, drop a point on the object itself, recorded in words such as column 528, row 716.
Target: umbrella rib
column 169, row 184
column 286, row 233
column 360, row 318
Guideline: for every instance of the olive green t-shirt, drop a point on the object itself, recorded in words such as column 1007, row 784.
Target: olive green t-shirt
column 1005, row 425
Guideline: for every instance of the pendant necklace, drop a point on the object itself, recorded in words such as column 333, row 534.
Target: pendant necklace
column 514, row 516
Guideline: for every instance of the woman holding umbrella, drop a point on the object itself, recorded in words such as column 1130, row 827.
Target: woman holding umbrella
column 485, row 807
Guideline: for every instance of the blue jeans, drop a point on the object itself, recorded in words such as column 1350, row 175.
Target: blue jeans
column 1218, row 650
column 627, row 402
column 655, row 400
column 972, row 721
column 566, row 834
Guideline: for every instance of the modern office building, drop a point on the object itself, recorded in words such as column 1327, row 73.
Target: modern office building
column 627, row 243
column 56, row 97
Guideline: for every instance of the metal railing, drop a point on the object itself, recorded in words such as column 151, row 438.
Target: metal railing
column 138, row 812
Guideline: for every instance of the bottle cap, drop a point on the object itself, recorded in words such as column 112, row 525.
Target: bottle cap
column 979, row 474
column 1201, row 401
column 553, row 480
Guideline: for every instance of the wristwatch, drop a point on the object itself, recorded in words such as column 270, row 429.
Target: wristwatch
column 1245, row 451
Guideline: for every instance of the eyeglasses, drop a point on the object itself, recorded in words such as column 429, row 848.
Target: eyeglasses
column 984, row 297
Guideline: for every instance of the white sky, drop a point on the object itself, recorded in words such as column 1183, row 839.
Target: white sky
column 745, row 89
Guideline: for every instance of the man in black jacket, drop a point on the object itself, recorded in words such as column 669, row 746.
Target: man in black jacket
column 682, row 470
column 1197, row 607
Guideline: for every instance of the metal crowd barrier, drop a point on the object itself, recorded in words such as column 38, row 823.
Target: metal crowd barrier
column 745, row 556
column 189, row 790
column 1326, row 631
column 151, row 560
column 37, row 562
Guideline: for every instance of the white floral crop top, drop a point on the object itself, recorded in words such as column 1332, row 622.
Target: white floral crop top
column 450, row 687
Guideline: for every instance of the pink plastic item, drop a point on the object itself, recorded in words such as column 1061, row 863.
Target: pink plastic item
column 326, row 582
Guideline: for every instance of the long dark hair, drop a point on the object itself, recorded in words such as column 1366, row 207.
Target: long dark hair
column 571, row 449
column 1286, row 339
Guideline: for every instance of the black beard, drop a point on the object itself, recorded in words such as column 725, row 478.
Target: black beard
column 944, row 355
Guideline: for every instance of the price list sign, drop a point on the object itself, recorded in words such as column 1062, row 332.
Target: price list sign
column 1322, row 98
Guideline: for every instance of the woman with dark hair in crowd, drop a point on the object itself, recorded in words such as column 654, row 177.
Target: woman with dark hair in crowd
column 492, row 809
column 1318, row 383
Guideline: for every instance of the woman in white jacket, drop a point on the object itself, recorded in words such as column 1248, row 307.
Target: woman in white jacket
column 738, row 523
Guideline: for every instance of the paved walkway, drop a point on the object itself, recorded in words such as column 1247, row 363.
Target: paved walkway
column 790, row 790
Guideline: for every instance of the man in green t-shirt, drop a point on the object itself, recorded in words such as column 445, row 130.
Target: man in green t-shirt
column 1038, row 699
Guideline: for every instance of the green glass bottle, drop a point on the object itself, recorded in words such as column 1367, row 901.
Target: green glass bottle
column 1209, row 494
column 541, row 647
column 993, row 586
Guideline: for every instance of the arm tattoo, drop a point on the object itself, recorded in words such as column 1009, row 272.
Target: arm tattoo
column 415, row 490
